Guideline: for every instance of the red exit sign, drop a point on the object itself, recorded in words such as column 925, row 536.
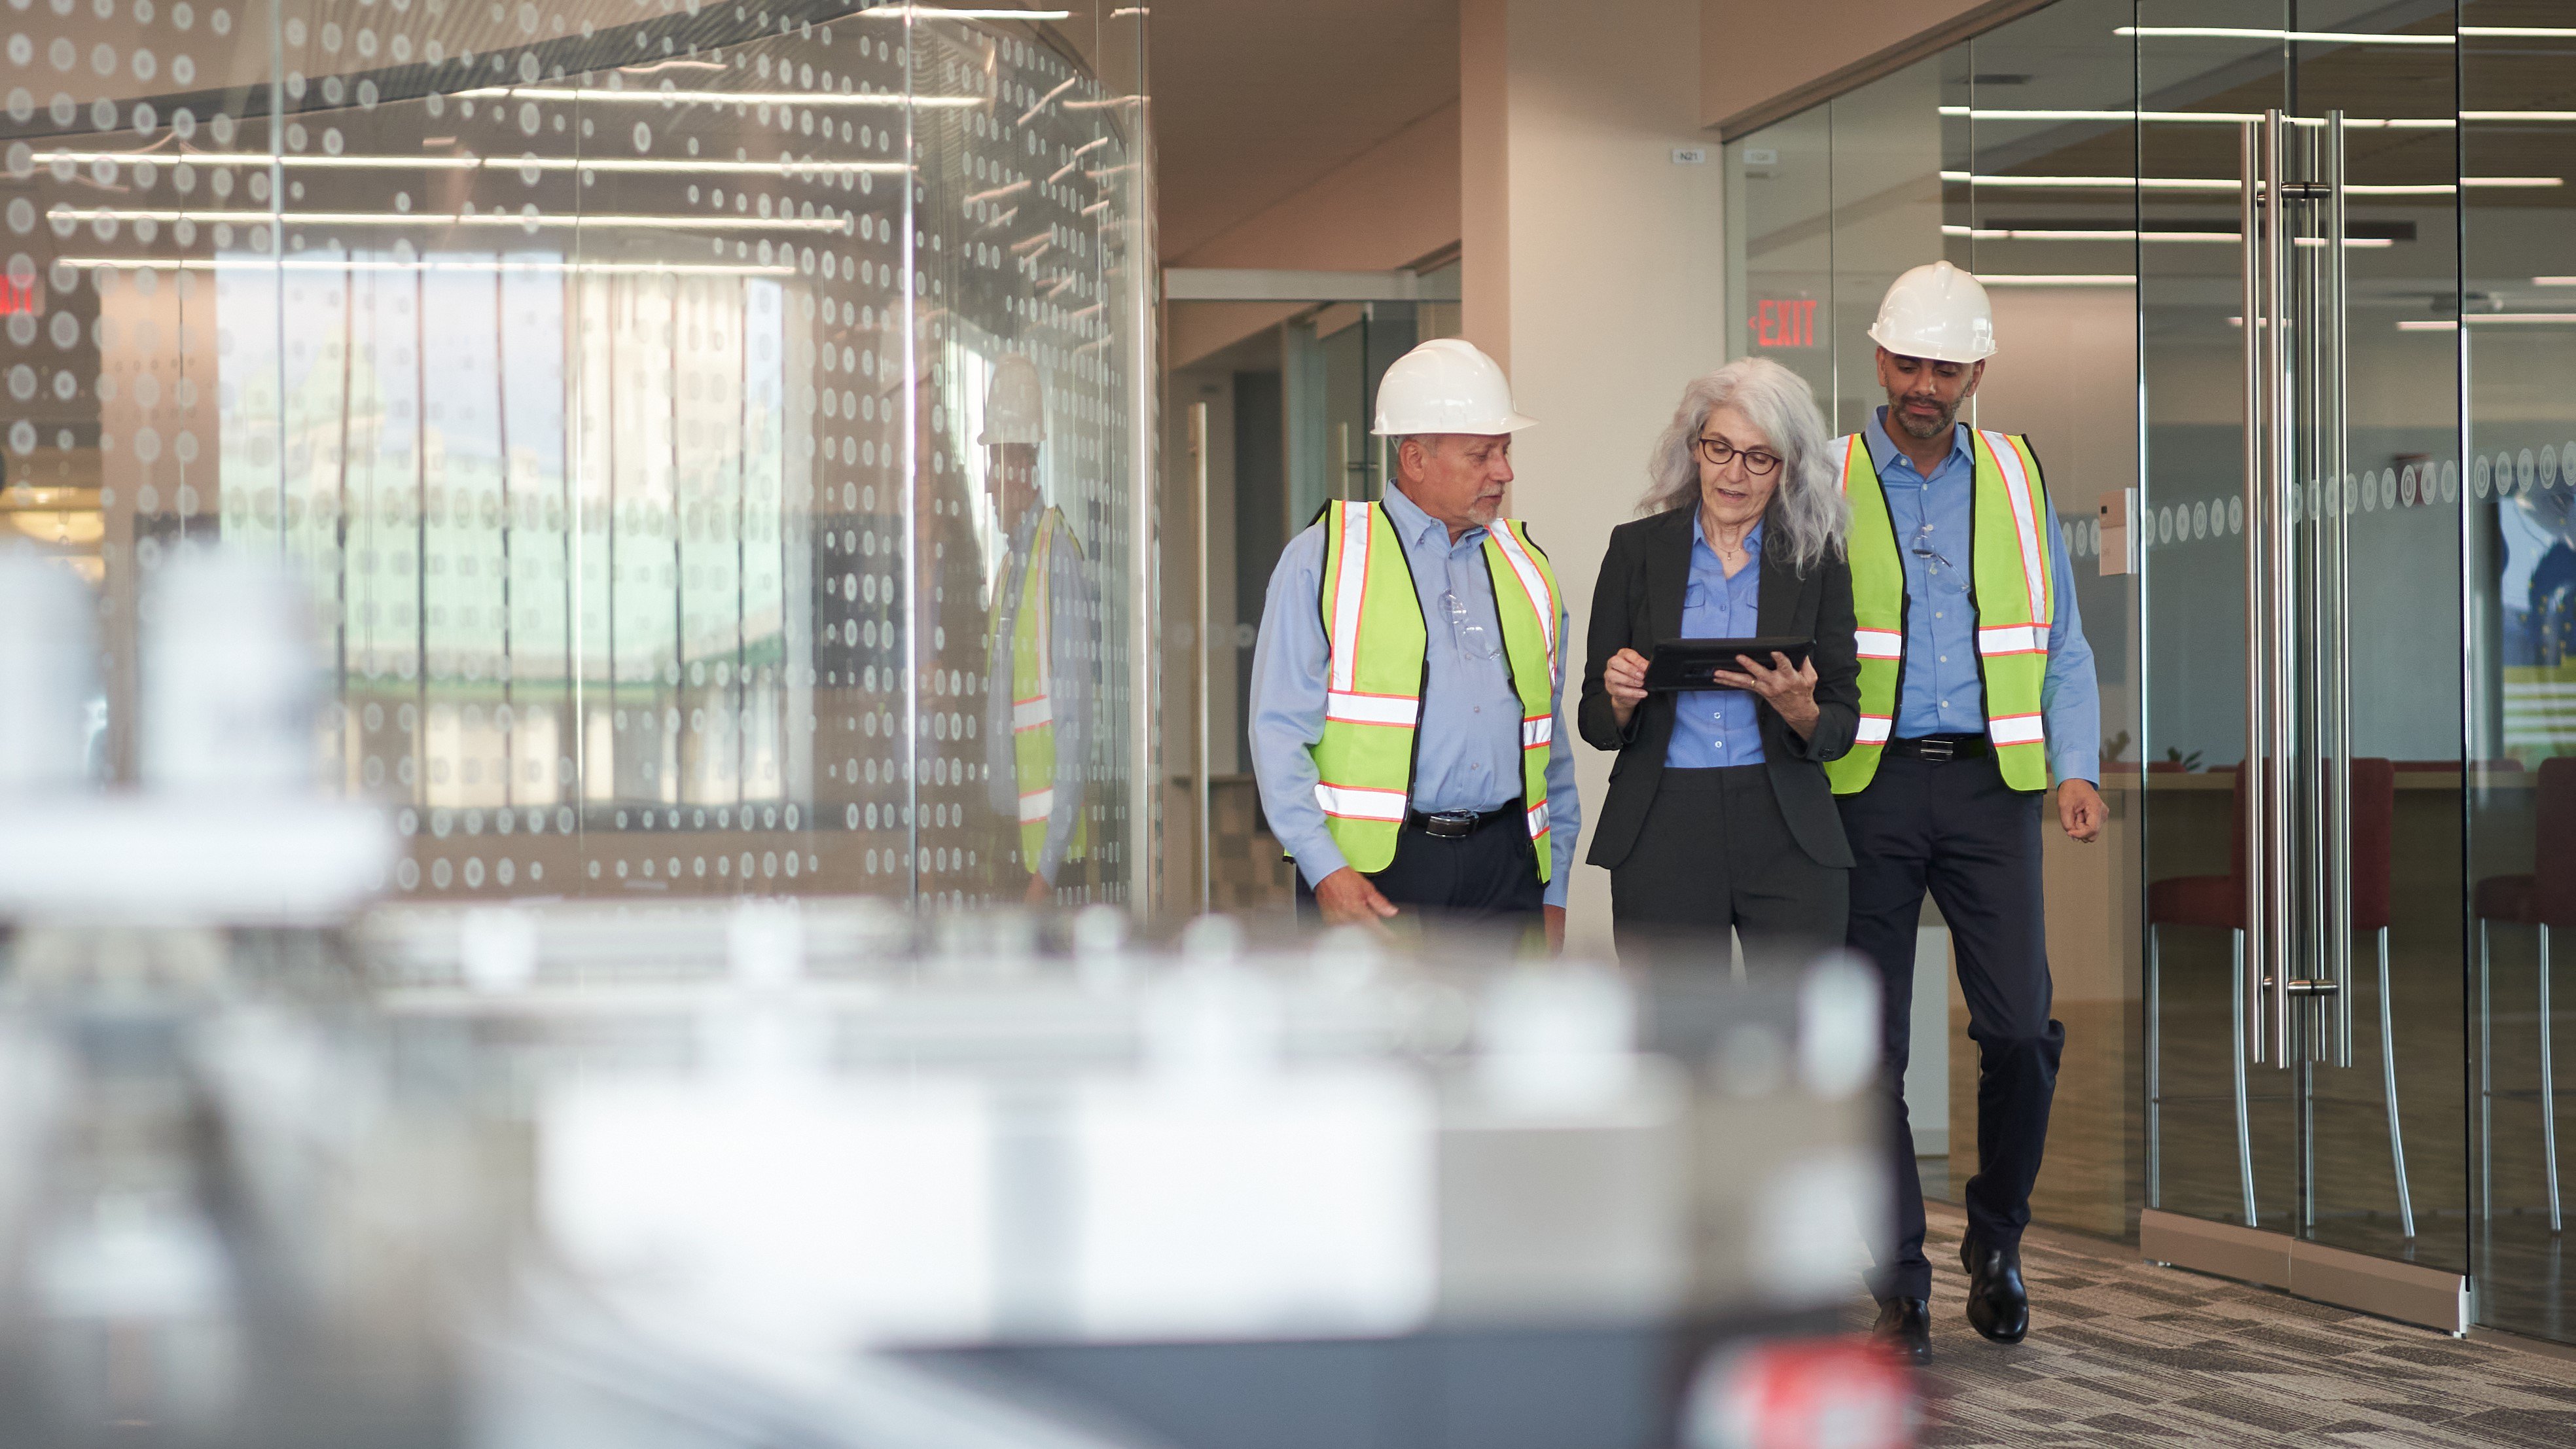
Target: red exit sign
column 1786, row 323
column 17, row 296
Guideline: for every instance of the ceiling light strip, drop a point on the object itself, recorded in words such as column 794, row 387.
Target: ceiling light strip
column 2490, row 319
column 2066, row 279
column 2229, row 238
column 2229, row 183
column 375, row 264
column 817, row 99
column 477, row 163
column 2206, row 118
column 2230, row 32
column 545, row 220
column 941, row 12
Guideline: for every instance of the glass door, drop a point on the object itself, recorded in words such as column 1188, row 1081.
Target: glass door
column 2298, row 202
column 2516, row 338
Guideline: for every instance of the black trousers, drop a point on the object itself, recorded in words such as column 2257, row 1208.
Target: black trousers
column 1489, row 878
column 1715, row 853
column 1956, row 828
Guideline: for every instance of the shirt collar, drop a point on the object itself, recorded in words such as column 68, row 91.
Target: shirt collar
column 1416, row 526
column 1699, row 535
column 1882, row 448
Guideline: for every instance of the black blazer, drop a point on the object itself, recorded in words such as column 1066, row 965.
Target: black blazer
column 1638, row 604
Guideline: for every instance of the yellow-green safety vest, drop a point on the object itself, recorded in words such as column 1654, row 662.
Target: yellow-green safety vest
column 1032, row 704
column 1374, row 630
column 2012, row 588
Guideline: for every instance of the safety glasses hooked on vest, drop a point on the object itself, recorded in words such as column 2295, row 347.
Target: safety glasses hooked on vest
column 1475, row 641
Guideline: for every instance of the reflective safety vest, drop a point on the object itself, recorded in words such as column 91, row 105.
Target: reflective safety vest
column 2011, row 579
column 1032, row 704
column 1374, row 630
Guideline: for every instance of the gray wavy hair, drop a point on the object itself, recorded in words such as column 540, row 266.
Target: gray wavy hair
column 1808, row 511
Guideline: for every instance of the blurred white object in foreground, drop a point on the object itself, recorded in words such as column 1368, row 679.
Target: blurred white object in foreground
column 229, row 683
column 46, row 675
column 229, row 829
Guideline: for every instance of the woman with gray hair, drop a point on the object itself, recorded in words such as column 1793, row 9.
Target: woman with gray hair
column 1719, row 812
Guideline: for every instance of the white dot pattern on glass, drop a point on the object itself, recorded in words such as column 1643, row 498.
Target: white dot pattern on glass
column 641, row 398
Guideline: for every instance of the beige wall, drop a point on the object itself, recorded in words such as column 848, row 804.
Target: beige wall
column 1606, row 260
column 1766, row 58
column 1387, row 207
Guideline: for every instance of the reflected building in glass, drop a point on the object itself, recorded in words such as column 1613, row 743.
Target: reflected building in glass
column 663, row 407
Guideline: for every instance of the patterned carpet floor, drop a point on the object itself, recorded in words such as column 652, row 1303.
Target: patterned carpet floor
column 2122, row 1353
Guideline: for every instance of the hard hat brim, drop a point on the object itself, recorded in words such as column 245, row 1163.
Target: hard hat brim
column 1512, row 423
column 1934, row 353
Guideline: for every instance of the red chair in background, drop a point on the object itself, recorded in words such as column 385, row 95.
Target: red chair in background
column 2543, row 899
column 2217, row 902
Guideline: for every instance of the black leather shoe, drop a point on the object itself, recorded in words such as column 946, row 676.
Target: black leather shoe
column 1904, row 1328
column 1998, row 1300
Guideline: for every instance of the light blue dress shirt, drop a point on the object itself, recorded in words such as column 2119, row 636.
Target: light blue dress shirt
column 1943, row 692
column 1467, row 747
column 1717, row 727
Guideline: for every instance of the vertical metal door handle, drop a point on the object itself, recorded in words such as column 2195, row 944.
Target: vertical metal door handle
column 2337, row 310
column 2281, row 472
column 2254, row 791
column 1206, row 650
column 2319, row 516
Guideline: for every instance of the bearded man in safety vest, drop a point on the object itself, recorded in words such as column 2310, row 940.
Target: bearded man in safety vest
column 1037, row 709
column 1409, row 678
column 1976, row 689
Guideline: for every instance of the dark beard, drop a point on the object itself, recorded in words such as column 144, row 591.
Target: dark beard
column 1949, row 419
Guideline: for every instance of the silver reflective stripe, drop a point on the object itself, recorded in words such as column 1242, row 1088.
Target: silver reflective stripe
column 1879, row 643
column 2012, row 639
column 1353, row 802
column 1533, row 584
column 2025, row 521
column 1351, row 707
column 2015, row 729
column 1349, row 584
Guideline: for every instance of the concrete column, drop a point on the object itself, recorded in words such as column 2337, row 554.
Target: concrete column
column 1593, row 269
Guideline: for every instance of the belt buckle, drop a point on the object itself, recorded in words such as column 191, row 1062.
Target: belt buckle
column 1449, row 824
column 1938, row 749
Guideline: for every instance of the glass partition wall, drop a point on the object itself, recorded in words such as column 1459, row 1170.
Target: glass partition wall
column 1286, row 408
column 1825, row 209
column 2515, row 343
column 2283, row 286
column 701, row 431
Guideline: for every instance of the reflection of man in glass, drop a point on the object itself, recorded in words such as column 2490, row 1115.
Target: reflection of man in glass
column 1037, row 708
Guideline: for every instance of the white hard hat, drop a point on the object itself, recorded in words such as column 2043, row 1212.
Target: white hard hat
column 1015, row 404
column 1446, row 385
column 1939, row 312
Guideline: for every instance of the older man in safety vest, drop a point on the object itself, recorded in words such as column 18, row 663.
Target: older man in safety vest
column 1409, row 678
column 1976, row 688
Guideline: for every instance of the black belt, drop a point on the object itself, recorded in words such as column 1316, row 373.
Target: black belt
column 1457, row 824
column 1942, row 747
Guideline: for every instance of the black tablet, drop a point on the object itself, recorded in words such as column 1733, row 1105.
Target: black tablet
column 1695, row 663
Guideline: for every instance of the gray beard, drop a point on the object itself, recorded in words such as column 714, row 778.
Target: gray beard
column 1949, row 419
